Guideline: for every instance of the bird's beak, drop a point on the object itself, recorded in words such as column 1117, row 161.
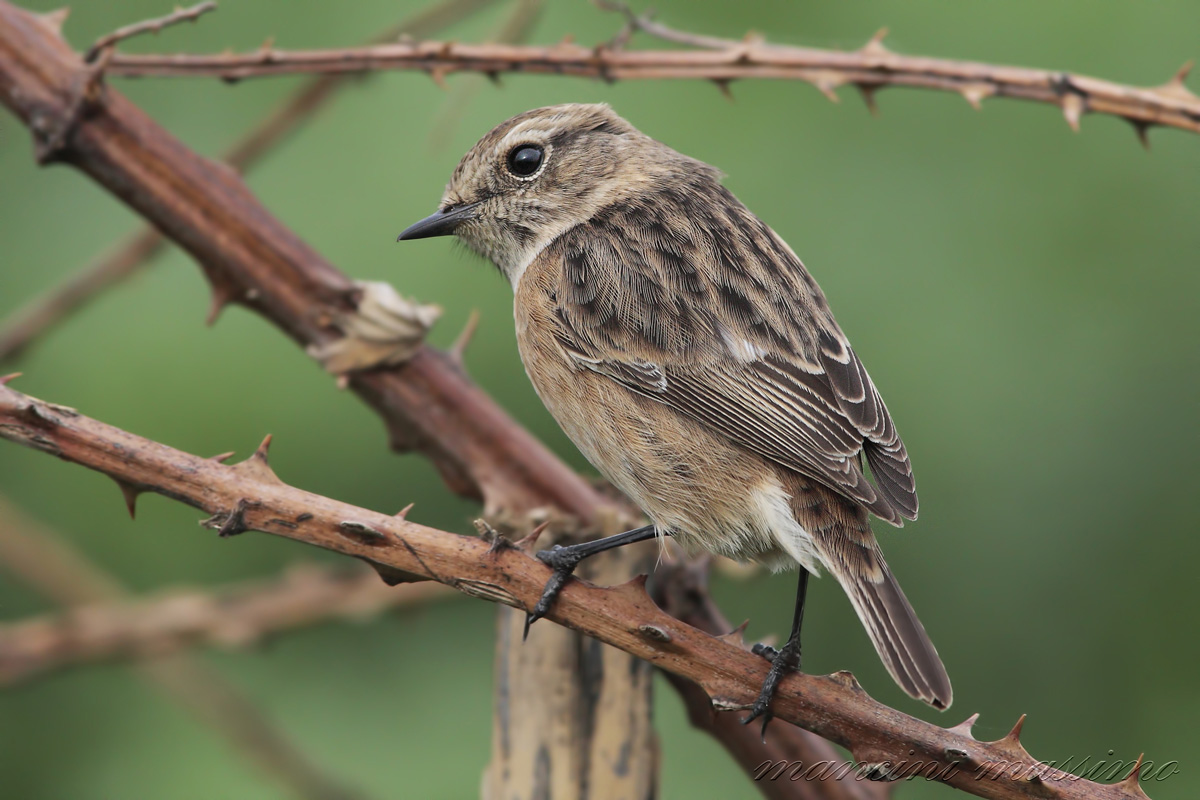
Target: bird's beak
column 441, row 223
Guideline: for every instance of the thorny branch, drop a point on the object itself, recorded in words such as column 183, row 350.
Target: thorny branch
column 48, row 564
column 889, row 744
column 681, row 589
column 251, row 258
column 110, row 40
column 870, row 68
column 482, row 452
column 228, row 617
column 136, row 250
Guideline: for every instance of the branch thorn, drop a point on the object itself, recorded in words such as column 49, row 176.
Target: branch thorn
column 1131, row 781
column 1073, row 106
column 257, row 466
column 4, row 380
column 130, row 493
column 976, row 93
column 220, row 458
column 868, row 90
column 1012, row 742
column 826, row 82
column 222, row 294
column 875, row 45
column 1176, row 87
column 737, row 636
column 403, row 513
column 722, row 85
column 964, row 728
column 459, row 348
column 54, row 19
column 527, row 542
column 846, row 678
column 1142, row 129
column 263, row 449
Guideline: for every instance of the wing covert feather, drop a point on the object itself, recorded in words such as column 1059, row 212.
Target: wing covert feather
column 712, row 314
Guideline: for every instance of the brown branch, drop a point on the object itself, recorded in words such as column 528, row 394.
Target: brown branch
column 227, row 617
column 870, row 68
column 136, row 250
column 513, row 29
column 681, row 589
column 251, row 258
column 249, row 496
column 148, row 26
column 53, row 567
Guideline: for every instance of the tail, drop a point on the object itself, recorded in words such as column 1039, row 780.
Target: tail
column 898, row 636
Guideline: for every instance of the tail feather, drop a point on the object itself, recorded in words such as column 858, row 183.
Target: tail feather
column 898, row 636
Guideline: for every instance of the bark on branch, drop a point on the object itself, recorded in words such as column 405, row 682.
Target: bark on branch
column 251, row 258
column 136, row 250
column 249, row 496
column 228, row 617
column 869, row 68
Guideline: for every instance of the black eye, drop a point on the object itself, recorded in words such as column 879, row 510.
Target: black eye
column 525, row 159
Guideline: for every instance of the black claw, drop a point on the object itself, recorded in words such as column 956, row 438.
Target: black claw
column 782, row 662
column 563, row 561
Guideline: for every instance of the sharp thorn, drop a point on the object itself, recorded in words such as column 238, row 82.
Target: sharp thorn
column 263, row 449
column 1176, row 87
column 1182, row 73
column 875, row 45
column 1131, row 780
column 826, row 87
column 459, row 348
column 1073, row 107
column 403, row 513
column 54, row 19
column 964, row 728
column 1014, row 736
column 723, row 85
column 736, row 636
column 220, row 458
column 868, row 95
column 12, row 376
column 1142, row 129
column 130, row 493
column 976, row 93
column 221, row 297
column 528, row 542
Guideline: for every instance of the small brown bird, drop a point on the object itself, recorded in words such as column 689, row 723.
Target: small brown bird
column 690, row 356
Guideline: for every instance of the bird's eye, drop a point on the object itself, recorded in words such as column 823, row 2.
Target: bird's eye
column 524, row 160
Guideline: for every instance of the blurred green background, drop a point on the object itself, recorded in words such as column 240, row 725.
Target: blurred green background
column 1025, row 298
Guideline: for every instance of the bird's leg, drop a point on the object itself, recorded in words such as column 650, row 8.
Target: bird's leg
column 564, row 560
column 782, row 661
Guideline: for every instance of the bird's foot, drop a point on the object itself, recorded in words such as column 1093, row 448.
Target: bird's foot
column 782, row 662
column 563, row 560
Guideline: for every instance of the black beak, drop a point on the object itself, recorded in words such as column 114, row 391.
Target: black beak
column 440, row 223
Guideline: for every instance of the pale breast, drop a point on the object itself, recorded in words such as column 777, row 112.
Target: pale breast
column 691, row 481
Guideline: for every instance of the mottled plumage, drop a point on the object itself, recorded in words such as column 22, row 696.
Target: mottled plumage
column 686, row 351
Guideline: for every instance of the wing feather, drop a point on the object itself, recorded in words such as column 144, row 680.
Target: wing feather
column 713, row 315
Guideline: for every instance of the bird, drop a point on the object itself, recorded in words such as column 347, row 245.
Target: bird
column 687, row 352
